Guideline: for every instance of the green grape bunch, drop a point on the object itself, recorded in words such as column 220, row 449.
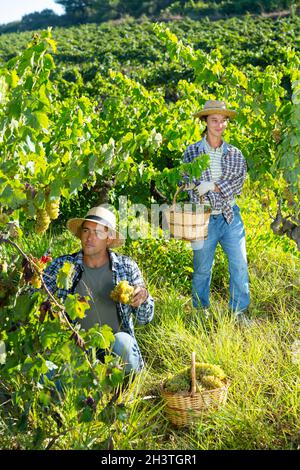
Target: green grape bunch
column 42, row 222
column 208, row 377
column 52, row 208
column 123, row 293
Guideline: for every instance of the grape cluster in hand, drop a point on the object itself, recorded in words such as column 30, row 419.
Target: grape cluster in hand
column 122, row 293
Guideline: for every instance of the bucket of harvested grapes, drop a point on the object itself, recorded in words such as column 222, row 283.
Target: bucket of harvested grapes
column 194, row 390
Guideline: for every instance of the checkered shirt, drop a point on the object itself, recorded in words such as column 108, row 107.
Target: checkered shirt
column 234, row 172
column 123, row 268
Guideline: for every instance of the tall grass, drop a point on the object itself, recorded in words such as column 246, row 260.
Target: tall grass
column 262, row 411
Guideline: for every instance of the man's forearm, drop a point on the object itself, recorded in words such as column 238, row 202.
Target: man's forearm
column 228, row 188
column 145, row 312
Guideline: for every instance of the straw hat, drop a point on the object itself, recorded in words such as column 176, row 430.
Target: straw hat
column 215, row 107
column 102, row 216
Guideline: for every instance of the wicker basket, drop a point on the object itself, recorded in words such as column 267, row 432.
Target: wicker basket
column 187, row 225
column 183, row 408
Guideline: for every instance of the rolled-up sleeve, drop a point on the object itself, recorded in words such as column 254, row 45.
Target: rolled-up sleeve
column 145, row 312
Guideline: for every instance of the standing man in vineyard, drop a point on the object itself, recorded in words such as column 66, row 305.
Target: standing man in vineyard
column 218, row 185
column 97, row 271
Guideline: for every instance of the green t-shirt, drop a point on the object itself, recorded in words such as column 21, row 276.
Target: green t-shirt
column 97, row 284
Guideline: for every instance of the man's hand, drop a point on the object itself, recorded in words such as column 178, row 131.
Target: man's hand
column 204, row 187
column 140, row 294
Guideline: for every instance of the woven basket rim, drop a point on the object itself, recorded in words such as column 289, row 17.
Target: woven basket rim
column 173, row 207
column 189, row 394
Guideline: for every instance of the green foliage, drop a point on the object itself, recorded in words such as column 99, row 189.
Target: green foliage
column 137, row 137
column 43, row 364
column 76, row 306
column 65, row 276
column 290, row 140
column 166, row 262
column 32, row 123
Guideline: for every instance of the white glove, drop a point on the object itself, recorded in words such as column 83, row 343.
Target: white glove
column 204, row 187
column 189, row 187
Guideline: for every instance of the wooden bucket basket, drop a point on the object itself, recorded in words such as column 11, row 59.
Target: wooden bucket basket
column 183, row 408
column 187, row 224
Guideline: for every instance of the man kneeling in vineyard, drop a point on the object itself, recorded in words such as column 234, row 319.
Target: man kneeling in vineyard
column 98, row 270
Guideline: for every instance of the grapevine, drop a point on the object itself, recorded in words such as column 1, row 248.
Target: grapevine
column 32, row 272
column 135, row 137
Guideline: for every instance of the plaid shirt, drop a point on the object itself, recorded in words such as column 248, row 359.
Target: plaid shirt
column 234, row 171
column 123, row 268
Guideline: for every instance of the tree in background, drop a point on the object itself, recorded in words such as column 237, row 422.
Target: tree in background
column 79, row 11
column 40, row 20
column 255, row 6
column 196, row 9
column 103, row 10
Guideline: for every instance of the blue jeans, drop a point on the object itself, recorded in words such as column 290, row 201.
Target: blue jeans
column 232, row 239
column 125, row 346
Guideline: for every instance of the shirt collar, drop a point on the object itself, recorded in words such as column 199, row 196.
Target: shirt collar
column 209, row 148
column 79, row 258
column 113, row 259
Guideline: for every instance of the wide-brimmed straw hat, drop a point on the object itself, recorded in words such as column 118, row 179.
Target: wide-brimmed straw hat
column 215, row 107
column 102, row 216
